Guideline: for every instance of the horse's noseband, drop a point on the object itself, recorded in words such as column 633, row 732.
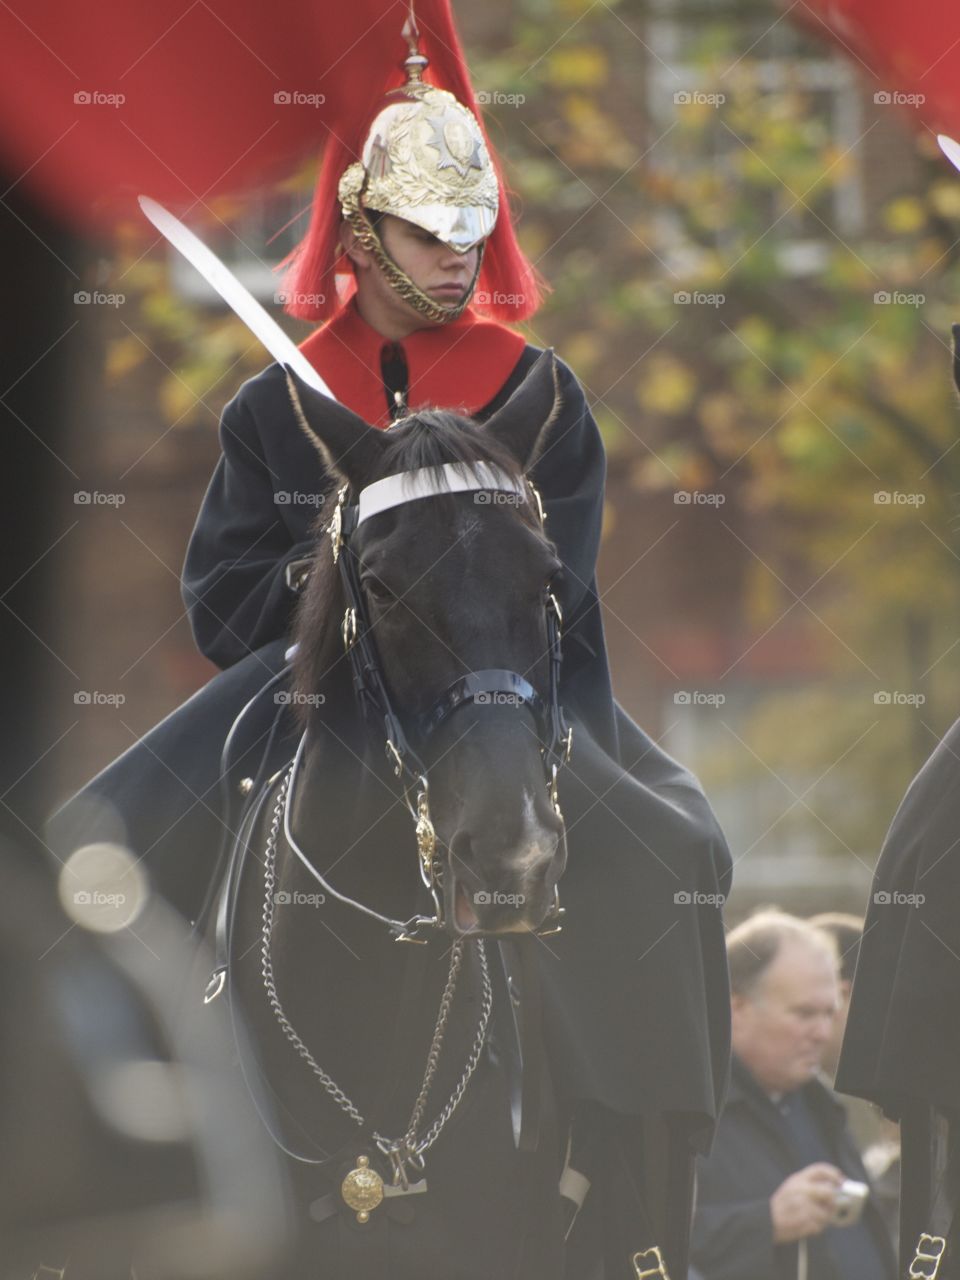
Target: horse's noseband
column 488, row 687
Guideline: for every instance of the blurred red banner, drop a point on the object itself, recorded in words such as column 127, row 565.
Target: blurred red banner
column 187, row 99
column 912, row 49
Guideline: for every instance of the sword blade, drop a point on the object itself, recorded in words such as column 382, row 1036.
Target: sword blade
column 237, row 296
column 950, row 149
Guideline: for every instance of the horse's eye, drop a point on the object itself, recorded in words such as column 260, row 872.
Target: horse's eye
column 375, row 588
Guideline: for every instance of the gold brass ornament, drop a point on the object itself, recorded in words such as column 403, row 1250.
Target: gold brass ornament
column 362, row 1189
column 426, row 838
column 554, row 793
column 642, row 1264
column 926, row 1262
column 335, row 528
column 348, row 628
column 538, row 501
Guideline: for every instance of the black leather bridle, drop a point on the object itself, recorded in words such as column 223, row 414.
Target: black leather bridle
column 477, row 687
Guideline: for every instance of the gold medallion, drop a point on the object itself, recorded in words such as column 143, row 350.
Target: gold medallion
column 362, row 1189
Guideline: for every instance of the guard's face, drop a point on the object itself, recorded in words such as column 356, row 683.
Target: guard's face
column 780, row 1031
column 434, row 268
column 437, row 271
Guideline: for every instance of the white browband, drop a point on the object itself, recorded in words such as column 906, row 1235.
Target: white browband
column 429, row 482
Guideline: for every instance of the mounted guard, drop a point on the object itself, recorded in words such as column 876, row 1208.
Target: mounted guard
column 602, row 1048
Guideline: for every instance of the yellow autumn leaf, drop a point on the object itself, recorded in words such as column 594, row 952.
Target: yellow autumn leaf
column 577, row 67
column 904, row 215
column 800, row 439
column 583, row 351
column 123, row 355
column 178, row 401
column 665, row 385
column 945, row 198
column 720, row 414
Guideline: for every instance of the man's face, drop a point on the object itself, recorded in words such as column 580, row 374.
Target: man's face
column 437, row 271
column 781, row 1029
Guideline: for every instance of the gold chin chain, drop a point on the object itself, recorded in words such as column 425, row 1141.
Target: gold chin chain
column 395, row 277
column 363, row 1187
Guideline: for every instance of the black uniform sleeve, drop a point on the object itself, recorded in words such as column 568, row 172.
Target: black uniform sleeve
column 570, row 475
column 234, row 584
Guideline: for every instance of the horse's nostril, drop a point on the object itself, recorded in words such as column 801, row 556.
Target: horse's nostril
column 484, row 864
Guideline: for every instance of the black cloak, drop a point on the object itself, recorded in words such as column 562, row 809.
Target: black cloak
column 902, row 1042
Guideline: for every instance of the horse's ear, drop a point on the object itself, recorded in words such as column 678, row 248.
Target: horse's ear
column 349, row 447
column 522, row 424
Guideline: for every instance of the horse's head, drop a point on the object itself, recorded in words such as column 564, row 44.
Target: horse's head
column 452, row 584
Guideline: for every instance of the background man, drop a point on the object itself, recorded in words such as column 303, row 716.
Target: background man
column 768, row 1190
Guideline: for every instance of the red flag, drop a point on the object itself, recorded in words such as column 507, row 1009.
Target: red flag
column 181, row 100
column 912, row 50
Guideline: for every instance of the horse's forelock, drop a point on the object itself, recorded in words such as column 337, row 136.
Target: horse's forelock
column 436, row 437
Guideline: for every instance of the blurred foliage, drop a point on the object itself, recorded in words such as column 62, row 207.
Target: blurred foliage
column 797, row 391
column 800, row 393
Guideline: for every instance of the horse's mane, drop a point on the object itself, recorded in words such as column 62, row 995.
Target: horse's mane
column 431, row 438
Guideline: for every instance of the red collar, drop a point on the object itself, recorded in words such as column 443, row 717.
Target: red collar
column 461, row 365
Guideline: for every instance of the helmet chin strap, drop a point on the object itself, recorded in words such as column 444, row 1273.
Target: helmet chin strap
column 395, row 276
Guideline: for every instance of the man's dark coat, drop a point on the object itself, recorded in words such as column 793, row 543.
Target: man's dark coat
column 751, row 1157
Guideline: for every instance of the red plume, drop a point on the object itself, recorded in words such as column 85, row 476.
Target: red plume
column 319, row 278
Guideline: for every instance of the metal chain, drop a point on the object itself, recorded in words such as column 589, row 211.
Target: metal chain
column 408, row 1146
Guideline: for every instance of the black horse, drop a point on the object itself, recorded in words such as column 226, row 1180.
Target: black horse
column 394, row 1069
column 463, row 1094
